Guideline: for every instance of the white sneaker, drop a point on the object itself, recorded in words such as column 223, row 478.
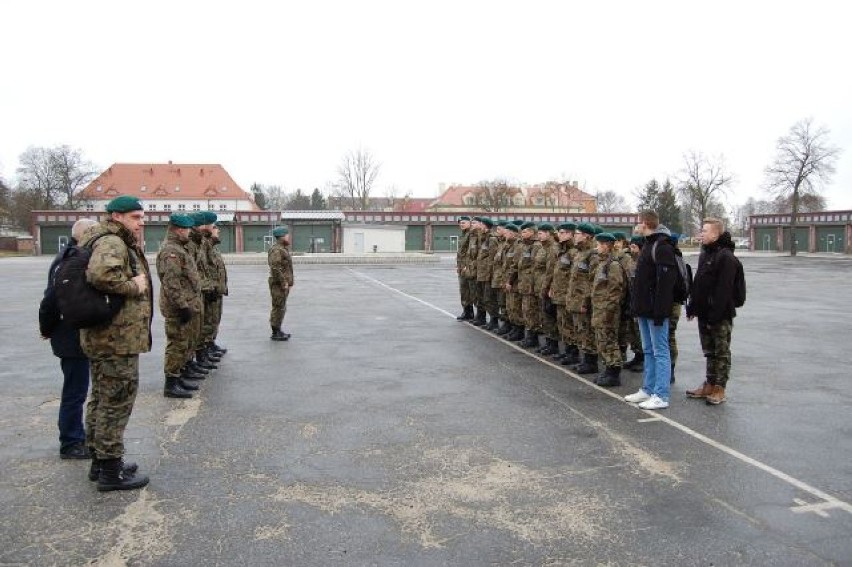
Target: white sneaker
column 639, row 396
column 654, row 403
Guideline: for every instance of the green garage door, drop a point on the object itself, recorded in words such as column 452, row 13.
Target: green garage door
column 227, row 241
column 445, row 238
column 52, row 237
column 311, row 237
column 155, row 235
column 802, row 243
column 254, row 236
column 830, row 239
column 414, row 237
column 765, row 239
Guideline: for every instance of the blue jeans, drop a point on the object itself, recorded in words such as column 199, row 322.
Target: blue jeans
column 658, row 360
column 74, row 390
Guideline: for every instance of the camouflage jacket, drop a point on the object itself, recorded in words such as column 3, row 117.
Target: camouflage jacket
column 526, row 273
column 580, row 280
column 497, row 267
column 461, row 252
column 485, row 257
column 608, row 284
column 627, row 262
column 471, row 255
column 197, row 249
column 543, row 266
column 180, row 285
column 562, row 272
column 510, row 262
column 110, row 270
column 280, row 265
column 220, row 273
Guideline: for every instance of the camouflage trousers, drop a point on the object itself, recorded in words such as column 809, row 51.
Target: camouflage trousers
column 487, row 297
column 500, row 296
column 531, row 312
column 178, row 345
column 194, row 332
column 279, row 303
column 115, row 380
column 716, row 344
column 464, row 292
column 565, row 325
column 514, row 311
column 605, row 323
column 548, row 323
column 583, row 334
column 673, row 320
column 472, row 290
column 628, row 335
column 210, row 323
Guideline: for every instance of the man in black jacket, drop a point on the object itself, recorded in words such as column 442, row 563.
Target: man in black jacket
column 712, row 301
column 65, row 342
column 652, row 299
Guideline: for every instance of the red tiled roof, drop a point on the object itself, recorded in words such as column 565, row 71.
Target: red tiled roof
column 165, row 181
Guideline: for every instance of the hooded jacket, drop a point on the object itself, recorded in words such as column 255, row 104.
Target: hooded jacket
column 654, row 282
column 712, row 298
column 64, row 339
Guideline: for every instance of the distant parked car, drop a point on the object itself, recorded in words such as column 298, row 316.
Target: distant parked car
column 743, row 243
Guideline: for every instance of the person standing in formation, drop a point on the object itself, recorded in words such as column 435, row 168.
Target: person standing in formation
column 280, row 281
column 607, row 294
column 579, row 298
column 487, row 301
column 461, row 270
column 559, row 291
column 545, row 257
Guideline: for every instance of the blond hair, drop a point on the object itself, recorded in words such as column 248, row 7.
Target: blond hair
column 716, row 223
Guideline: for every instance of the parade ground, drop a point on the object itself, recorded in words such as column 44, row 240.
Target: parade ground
column 387, row 433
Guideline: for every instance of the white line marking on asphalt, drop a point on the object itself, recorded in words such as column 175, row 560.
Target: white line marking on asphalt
column 830, row 501
column 818, row 508
column 649, row 419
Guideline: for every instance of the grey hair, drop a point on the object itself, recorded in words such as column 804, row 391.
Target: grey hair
column 80, row 227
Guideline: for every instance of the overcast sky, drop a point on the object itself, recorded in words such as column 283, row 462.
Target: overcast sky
column 607, row 93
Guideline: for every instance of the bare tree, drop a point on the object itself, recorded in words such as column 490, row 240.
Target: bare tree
column 494, row 196
column 804, row 162
column 703, row 180
column 356, row 174
column 54, row 176
column 610, row 202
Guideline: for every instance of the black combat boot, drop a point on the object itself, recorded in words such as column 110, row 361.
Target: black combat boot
column 493, row 324
column 278, row 335
column 516, row 334
column 129, row 469
column 637, row 363
column 194, row 367
column 530, row 340
column 572, row 355
column 186, row 385
column 113, row 477
column 189, row 373
column 212, row 354
column 551, row 346
column 467, row 314
column 611, row 378
column 204, row 362
column 505, row 328
column 173, row 389
column 222, row 351
column 479, row 320
column 589, row 364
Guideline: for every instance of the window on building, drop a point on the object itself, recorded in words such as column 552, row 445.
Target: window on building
column 210, row 206
column 177, row 188
column 223, row 207
column 152, row 207
column 90, row 208
column 196, row 207
column 469, row 200
column 518, row 200
column 99, row 188
column 181, row 207
column 143, row 189
column 167, row 208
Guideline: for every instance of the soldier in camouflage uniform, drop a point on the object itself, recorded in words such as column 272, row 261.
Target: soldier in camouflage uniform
column 621, row 253
column 280, row 281
column 559, row 291
column 579, row 298
column 498, row 279
column 461, row 264
column 674, row 318
column 514, row 312
column 179, row 303
column 210, row 291
column 608, row 292
column 117, row 265
column 469, row 269
column 530, row 304
column 195, row 246
column 484, row 263
column 543, row 262
column 221, row 279
column 633, row 338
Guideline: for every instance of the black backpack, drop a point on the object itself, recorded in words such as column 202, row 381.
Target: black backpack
column 81, row 304
column 683, row 284
column 739, row 291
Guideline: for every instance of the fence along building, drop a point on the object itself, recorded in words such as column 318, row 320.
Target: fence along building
column 824, row 231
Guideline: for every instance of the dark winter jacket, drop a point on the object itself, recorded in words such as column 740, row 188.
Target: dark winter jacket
column 713, row 288
column 64, row 339
column 653, row 286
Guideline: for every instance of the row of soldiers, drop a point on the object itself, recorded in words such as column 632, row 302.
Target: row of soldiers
column 568, row 283
column 193, row 280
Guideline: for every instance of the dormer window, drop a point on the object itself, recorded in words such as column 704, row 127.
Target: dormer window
column 224, row 189
column 177, row 188
column 99, row 189
column 143, row 189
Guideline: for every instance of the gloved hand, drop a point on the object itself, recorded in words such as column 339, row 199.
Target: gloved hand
column 184, row 315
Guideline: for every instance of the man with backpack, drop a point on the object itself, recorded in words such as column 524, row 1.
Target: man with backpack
column 117, row 266
column 653, row 296
column 719, row 288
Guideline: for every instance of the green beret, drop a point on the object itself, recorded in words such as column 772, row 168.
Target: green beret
column 198, row 217
column 598, row 228
column 181, row 220
column 569, row 226
column 512, row 227
column 280, row 231
column 502, row 222
column 586, row 228
column 605, row 237
column 518, row 222
column 637, row 240
column 464, row 218
column 487, row 221
column 620, row 236
column 210, row 217
column 527, row 225
column 477, row 219
column 124, row 204
column 546, row 227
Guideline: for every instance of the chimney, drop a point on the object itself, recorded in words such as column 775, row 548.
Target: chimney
column 170, row 162
column 201, row 172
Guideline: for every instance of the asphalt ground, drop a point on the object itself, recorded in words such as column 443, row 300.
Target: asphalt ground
column 387, row 433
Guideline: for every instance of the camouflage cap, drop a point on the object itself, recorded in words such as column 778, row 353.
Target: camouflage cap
column 280, row 231
column 124, row 204
column 181, row 220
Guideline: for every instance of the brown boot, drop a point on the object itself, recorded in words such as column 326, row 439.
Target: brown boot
column 701, row 392
column 717, row 396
